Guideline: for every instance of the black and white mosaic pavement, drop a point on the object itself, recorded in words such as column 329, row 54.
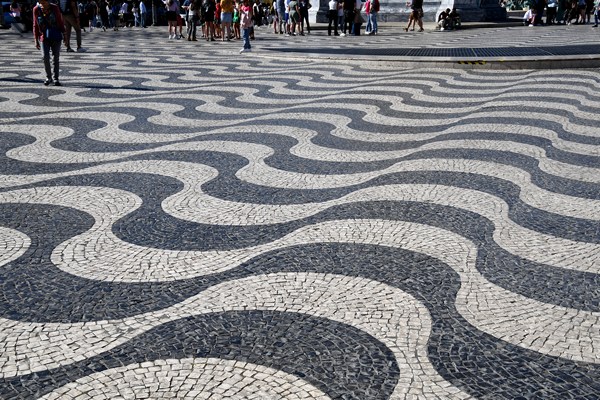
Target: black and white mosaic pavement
column 178, row 221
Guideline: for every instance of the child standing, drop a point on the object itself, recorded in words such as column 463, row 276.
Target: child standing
column 246, row 25
column 236, row 22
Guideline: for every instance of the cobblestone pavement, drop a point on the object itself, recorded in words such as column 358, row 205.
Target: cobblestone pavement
column 181, row 221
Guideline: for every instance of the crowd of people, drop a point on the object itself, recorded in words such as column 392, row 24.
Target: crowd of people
column 227, row 20
column 565, row 12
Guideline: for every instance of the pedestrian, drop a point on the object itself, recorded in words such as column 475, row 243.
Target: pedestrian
column 226, row 19
column 179, row 20
column 192, row 8
column 70, row 16
column 371, row 8
column 15, row 11
column 294, row 13
column 113, row 16
column 217, row 22
column 348, row 16
column 340, row 20
column 246, row 24
column 103, row 13
column 236, row 21
column 416, row 15
column 92, row 12
column 171, row 14
column 303, row 7
column 332, row 16
column 551, row 12
column 136, row 14
column 143, row 13
column 208, row 16
column 48, row 29
column 280, row 8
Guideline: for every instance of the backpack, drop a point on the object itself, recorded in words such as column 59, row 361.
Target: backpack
column 49, row 25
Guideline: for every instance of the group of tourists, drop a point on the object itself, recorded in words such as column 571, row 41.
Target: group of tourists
column 224, row 20
column 565, row 12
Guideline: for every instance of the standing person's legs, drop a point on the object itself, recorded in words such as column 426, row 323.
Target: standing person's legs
column 374, row 20
column 348, row 19
column 69, row 21
column 55, row 47
column 246, row 35
column 305, row 16
column 77, row 28
column 46, row 57
column 410, row 21
column 281, row 20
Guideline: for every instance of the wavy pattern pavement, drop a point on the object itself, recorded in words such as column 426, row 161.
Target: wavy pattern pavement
column 191, row 224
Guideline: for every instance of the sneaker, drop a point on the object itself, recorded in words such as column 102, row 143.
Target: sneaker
column 70, row 50
column 342, row 34
column 242, row 50
column 595, row 26
column 57, row 83
column 47, row 82
column 81, row 50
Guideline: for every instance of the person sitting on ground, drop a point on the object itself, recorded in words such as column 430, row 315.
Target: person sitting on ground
column 529, row 17
column 443, row 20
column 454, row 19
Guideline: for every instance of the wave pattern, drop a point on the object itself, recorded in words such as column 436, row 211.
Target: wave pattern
column 261, row 228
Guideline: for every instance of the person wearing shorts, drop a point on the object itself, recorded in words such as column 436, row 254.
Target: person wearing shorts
column 226, row 18
column 171, row 14
column 208, row 14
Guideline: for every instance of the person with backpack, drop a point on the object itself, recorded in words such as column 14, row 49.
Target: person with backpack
column 48, row 30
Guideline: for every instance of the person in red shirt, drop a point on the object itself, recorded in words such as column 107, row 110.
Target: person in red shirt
column 48, row 29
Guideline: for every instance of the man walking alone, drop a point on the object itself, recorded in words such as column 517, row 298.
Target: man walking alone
column 70, row 14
